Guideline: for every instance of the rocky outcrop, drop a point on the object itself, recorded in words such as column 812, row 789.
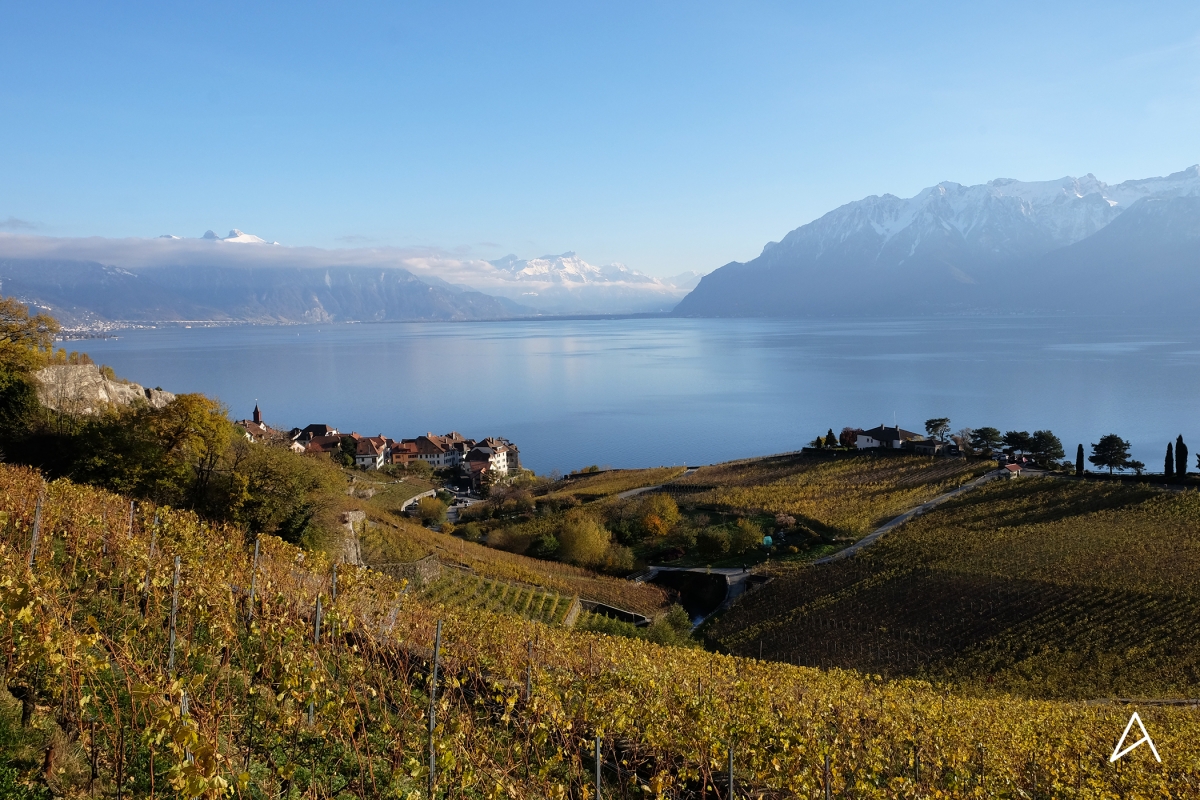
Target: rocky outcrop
column 83, row 389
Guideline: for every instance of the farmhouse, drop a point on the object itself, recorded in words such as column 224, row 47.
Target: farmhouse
column 893, row 438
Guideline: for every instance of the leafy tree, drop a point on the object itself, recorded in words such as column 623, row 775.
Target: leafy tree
column 1169, row 463
column 659, row 514
column 347, row 448
column 1137, row 466
column 25, row 341
column 582, row 540
column 431, row 510
column 963, row 440
column 19, row 404
column 818, row 442
column 747, row 535
column 986, row 439
column 270, row 489
column 1181, row 454
column 937, row 427
column 848, row 437
column 1045, row 446
column 1111, row 451
column 1079, row 461
column 1018, row 441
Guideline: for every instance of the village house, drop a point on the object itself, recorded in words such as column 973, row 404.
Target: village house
column 330, row 443
column 893, row 438
column 308, row 433
column 441, row 452
column 371, row 452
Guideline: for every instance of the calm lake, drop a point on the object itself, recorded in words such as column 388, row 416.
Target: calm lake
column 642, row 392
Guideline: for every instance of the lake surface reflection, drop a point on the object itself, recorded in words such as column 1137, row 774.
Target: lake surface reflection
column 642, row 392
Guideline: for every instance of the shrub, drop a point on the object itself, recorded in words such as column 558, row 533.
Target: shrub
column 712, row 542
column 431, row 510
column 583, row 541
column 746, row 536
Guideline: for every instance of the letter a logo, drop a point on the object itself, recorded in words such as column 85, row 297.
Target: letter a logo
column 1118, row 752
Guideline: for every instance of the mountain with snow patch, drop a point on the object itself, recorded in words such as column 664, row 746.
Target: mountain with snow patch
column 1003, row 245
column 236, row 236
column 566, row 284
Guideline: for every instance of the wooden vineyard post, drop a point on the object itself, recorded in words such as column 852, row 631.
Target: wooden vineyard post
column 731, row 769
column 149, row 568
column 333, row 591
column 828, row 781
column 316, row 641
column 253, row 582
column 129, row 532
column 597, row 753
column 174, row 611
column 437, row 653
column 37, row 528
column 529, row 675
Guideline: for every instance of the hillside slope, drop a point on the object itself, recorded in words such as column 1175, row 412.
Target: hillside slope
column 300, row 686
column 1044, row 587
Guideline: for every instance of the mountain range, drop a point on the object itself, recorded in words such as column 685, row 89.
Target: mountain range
column 1074, row 244
column 244, row 278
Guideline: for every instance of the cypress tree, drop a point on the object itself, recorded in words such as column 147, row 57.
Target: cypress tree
column 1181, row 454
column 1169, row 463
column 1079, row 461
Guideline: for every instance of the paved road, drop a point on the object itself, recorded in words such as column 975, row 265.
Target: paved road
column 874, row 535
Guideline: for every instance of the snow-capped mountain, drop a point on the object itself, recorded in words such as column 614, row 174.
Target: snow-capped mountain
column 236, row 236
column 888, row 254
column 567, row 284
column 568, row 268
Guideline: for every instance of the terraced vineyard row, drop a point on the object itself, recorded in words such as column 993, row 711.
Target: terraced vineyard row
column 285, row 683
column 465, row 590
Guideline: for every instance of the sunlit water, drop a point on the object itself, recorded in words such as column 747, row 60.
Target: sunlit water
column 641, row 392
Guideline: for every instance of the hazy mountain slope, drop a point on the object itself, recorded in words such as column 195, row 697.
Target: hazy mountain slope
column 1148, row 259
column 949, row 247
column 81, row 292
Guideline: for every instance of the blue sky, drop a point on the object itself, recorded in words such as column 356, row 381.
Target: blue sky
column 668, row 136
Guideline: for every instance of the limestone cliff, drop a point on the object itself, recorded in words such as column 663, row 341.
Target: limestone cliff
column 82, row 389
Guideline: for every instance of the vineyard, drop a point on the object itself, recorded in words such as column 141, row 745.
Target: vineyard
column 397, row 539
column 1046, row 588
column 606, row 484
column 467, row 591
column 849, row 496
column 154, row 655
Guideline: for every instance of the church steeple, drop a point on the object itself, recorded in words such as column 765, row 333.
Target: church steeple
column 257, row 415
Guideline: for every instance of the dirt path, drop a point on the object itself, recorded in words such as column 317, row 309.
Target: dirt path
column 635, row 492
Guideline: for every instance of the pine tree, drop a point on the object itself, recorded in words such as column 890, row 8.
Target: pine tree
column 830, row 439
column 1181, row 454
column 1169, row 463
column 1079, row 461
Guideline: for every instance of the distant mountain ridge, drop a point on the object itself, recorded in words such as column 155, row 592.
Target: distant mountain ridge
column 88, row 292
column 1004, row 245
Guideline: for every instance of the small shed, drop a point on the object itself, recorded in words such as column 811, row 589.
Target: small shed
column 1013, row 470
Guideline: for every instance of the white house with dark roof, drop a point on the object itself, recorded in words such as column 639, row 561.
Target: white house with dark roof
column 892, row 438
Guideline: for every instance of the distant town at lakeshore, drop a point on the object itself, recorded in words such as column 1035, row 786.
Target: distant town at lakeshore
column 479, row 461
